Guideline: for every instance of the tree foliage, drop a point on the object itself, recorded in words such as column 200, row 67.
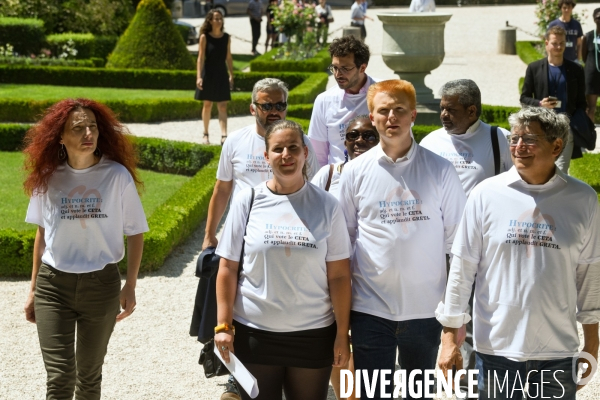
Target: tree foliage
column 100, row 17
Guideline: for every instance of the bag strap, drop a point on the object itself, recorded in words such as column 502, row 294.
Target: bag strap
column 329, row 179
column 241, row 264
column 495, row 149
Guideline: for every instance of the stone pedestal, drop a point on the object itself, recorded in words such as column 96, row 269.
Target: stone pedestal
column 351, row 30
column 413, row 46
column 507, row 41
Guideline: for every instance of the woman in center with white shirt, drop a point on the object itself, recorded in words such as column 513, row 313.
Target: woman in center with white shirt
column 295, row 272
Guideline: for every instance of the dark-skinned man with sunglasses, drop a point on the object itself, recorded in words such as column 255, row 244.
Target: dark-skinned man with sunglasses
column 242, row 164
column 335, row 107
column 530, row 239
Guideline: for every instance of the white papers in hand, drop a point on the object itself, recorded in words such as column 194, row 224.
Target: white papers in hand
column 241, row 374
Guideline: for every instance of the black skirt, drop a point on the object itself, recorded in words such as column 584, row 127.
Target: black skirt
column 311, row 348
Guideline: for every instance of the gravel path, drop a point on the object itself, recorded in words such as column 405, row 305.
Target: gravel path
column 151, row 355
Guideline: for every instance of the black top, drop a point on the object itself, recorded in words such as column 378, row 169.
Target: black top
column 215, row 85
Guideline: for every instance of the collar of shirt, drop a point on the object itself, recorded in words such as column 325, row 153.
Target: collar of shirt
column 380, row 154
column 361, row 93
column 514, row 179
column 471, row 131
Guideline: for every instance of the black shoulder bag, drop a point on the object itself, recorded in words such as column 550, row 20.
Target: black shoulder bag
column 208, row 359
column 495, row 149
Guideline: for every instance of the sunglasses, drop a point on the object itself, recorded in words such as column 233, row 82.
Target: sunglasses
column 281, row 106
column 367, row 136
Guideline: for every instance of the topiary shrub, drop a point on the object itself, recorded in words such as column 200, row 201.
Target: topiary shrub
column 151, row 41
column 26, row 35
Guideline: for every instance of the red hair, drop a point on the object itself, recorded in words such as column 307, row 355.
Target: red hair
column 392, row 87
column 42, row 142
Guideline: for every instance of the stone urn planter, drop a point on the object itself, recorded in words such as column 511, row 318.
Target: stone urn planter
column 413, row 46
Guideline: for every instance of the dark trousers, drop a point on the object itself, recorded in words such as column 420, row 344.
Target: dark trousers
column 503, row 379
column 75, row 315
column 375, row 341
column 255, row 32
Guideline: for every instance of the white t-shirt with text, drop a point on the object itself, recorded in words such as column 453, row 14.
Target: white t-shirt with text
column 471, row 153
column 85, row 214
column 332, row 111
column 243, row 160
column 526, row 244
column 403, row 216
column 289, row 238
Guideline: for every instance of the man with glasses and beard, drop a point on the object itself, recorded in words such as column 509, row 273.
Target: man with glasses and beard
column 334, row 108
column 242, row 164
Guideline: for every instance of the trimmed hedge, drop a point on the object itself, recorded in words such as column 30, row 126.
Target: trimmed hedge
column 11, row 136
column 170, row 223
column 26, row 35
column 134, row 78
column 176, row 219
column 86, row 44
column 308, row 90
column 54, row 62
column 26, row 110
column 151, row 41
column 497, row 115
column 527, row 51
column 318, row 63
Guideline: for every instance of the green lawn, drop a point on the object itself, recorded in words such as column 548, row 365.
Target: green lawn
column 158, row 188
column 241, row 61
column 47, row 92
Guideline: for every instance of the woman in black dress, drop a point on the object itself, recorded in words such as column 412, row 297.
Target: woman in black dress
column 591, row 55
column 214, row 82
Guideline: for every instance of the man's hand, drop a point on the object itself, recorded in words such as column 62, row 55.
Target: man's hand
column 210, row 241
column 591, row 343
column 450, row 355
column 547, row 103
column 127, row 300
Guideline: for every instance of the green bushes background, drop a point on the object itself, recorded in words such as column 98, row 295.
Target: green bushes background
column 151, row 41
column 25, row 35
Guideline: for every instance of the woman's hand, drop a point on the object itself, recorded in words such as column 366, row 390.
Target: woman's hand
column 199, row 83
column 231, row 82
column 127, row 300
column 341, row 350
column 224, row 344
column 29, row 307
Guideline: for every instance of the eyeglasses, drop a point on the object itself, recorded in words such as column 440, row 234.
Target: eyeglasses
column 281, row 106
column 344, row 70
column 367, row 136
column 528, row 140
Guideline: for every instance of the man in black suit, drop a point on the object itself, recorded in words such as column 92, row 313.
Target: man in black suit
column 556, row 83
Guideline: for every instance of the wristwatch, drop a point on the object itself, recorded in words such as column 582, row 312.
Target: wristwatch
column 224, row 328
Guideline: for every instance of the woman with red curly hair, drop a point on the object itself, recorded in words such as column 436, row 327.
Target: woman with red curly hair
column 83, row 187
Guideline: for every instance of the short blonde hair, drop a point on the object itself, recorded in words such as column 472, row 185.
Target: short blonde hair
column 392, row 87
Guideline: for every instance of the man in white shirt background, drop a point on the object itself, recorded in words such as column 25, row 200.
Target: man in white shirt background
column 465, row 140
column 476, row 150
column 402, row 204
column 242, row 163
column 334, row 108
column 530, row 238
